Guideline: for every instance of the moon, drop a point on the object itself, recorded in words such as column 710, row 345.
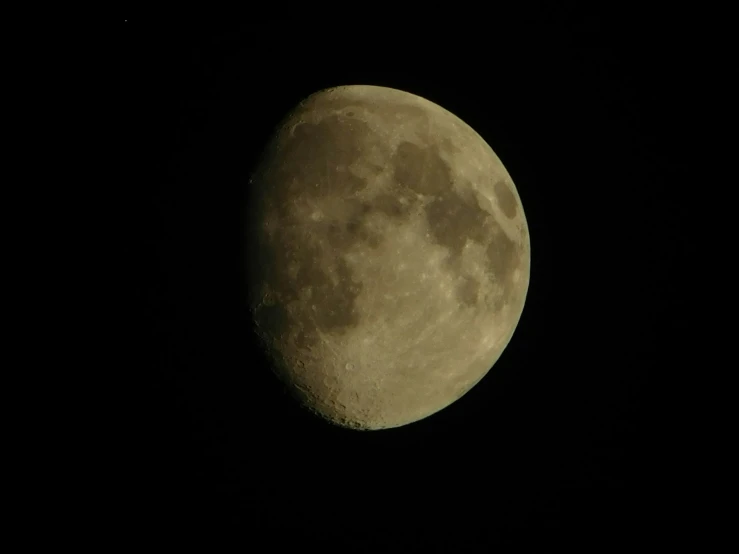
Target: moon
column 388, row 256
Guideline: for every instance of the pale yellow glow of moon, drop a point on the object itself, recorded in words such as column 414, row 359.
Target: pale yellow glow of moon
column 389, row 256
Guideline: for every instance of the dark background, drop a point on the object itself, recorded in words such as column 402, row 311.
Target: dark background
column 564, row 440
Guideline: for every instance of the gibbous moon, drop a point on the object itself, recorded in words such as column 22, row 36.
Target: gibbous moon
column 388, row 256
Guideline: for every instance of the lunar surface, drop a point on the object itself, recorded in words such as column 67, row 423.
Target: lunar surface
column 388, row 256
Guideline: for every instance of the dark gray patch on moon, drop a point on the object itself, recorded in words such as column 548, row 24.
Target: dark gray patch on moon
column 504, row 257
column 453, row 221
column 421, row 170
column 506, row 200
column 395, row 206
column 468, row 292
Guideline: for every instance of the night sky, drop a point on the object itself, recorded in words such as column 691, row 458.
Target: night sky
column 563, row 442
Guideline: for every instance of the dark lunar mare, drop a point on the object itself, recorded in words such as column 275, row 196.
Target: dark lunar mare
column 455, row 217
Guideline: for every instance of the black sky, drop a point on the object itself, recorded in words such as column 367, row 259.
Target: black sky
column 561, row 442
